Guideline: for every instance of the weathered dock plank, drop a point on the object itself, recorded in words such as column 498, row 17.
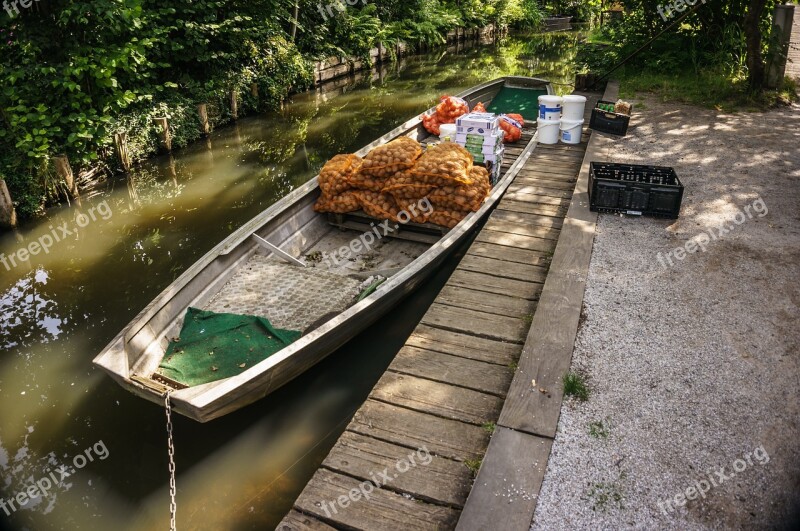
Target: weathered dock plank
column 412, row 429
column 444, row 368
column 427, row 477
column 296, row 521
column 476, row 322
column 499, row 304
column 329, row 496
column 510, row 254
column 503, row 269
column 492, row 284
column 464, row 345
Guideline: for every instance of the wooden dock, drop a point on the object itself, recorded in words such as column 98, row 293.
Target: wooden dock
column 408, row 458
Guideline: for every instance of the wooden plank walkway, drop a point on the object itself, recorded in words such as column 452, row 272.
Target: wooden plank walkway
column 424, row 429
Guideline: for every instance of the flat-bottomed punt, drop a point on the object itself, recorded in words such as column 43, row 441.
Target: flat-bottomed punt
column 257, row 271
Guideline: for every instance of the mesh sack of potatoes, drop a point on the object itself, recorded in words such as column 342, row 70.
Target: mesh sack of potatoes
column 334, row 178
column 444, row 164
column 463, row 196
column 386, row 160
column 447, row 218
column 338, row 204
column 405, row 186
column 377, row 204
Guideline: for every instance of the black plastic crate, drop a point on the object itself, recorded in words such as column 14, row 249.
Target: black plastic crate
column 609, row 122
column 634, row 189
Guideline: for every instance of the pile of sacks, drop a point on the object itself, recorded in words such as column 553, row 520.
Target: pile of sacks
column 397, row 175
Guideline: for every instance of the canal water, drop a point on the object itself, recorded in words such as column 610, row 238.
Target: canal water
column 99, row 452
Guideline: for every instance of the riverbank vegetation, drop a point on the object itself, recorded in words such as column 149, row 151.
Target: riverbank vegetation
column 74, row 73
column 705, row 59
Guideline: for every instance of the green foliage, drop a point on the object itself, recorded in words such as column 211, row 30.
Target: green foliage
column 72, row 73
column 575, row 386
column 701, row 60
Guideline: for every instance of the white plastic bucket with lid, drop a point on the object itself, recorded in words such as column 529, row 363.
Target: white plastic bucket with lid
column 549, row 107
column 447, row 132
column 571, row 131
column 573, row 107
column 548, row 131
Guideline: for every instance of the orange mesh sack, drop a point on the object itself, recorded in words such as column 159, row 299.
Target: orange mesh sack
column 463, row 196
column 339, row 204
column 405, row 186
column 335, row 175
column 386, row 160
column 378, row 205
column 444, row 164
column 447, row 218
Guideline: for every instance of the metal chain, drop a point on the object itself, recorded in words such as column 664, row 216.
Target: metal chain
column 173, row 508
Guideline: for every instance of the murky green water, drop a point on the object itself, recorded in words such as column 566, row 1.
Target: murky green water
column 108, row 258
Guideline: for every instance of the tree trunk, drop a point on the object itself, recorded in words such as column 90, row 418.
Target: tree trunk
column 752, row 34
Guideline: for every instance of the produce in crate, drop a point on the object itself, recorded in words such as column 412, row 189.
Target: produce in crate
column 334, row 178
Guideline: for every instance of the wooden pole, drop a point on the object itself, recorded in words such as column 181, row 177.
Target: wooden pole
column 254, row 92
column 166, row 139
column 782, row 19
column 121, row 149
column 202, row 113
column 64, row 171
column 8, row 214
column 234, row 104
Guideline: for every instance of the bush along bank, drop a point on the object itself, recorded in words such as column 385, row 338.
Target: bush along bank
column 75, row 75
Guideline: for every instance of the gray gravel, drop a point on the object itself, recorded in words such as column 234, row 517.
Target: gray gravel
column 690, row 367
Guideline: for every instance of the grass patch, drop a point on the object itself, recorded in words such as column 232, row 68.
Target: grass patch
column 575, row 386
column 706, row 89
column 513, row 366
column 474, row 465
column 605, row 495
column 527, row 318
column 598, row 429
column 489, row 427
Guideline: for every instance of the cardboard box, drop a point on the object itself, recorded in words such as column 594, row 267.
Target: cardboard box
column 477, row 120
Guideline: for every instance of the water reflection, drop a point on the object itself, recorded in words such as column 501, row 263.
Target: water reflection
column 58, row 309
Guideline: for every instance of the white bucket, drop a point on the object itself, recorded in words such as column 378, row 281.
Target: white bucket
column 571, row 131
column 550, row 107
column 447, row 132
column 573, row 107
column 548, row 131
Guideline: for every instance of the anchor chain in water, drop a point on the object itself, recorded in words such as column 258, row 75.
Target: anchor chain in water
column 173, row 508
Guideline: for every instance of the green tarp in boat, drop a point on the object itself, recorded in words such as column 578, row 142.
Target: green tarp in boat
column 213, row 346
column 517, row 100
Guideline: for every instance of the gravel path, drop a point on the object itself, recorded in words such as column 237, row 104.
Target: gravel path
column 692, row 366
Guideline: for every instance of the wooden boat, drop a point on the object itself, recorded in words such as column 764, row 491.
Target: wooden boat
column 240, row 275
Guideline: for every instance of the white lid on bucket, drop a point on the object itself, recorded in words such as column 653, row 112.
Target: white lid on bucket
column 549, row 98
column 574, row 98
